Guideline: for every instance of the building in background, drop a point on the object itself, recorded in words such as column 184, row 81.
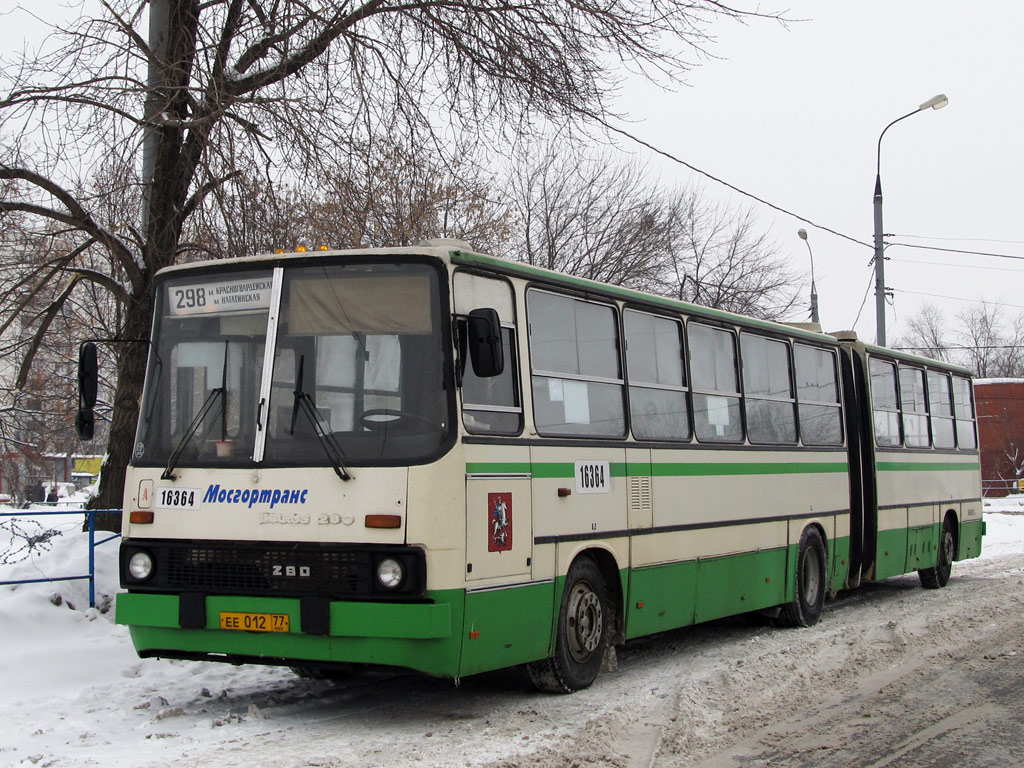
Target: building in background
column 1000, row 408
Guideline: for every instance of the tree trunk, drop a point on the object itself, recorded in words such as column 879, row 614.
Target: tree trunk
column 130, row 375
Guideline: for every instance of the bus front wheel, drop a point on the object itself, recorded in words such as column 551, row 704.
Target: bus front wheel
column 809, row 600
column 582, row 634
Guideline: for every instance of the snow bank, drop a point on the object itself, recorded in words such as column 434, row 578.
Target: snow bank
column 73, row 692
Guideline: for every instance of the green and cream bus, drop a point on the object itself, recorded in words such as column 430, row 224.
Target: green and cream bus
column 433, row 459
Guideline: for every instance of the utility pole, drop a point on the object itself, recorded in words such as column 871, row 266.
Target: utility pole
column 936, row 102
column 159, row 15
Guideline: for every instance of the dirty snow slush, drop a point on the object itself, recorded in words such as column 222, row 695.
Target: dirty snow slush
column 893, row 675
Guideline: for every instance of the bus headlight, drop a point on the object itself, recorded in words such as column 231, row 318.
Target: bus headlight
column 140, row 566
column 390, row 573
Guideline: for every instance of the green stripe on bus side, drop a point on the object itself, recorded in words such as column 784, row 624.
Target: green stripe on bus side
column 927, row 466
column 560, row 470
column 706, row 469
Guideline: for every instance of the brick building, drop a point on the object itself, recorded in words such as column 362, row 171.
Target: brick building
column 1000, row 409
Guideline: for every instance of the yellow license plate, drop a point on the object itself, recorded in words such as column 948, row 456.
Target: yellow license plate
column 254, row 622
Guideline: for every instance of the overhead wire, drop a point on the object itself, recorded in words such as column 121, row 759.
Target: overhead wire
column 958, row 298
column 733, row 187
column 679, row 161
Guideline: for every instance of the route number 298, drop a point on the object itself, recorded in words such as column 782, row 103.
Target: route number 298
column 190, row 298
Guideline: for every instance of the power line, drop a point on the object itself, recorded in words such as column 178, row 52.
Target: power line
column 957, row 250
column 958, row 266
column 724, row 183
column 962, row 239
column 798, row 217
column 957, row 298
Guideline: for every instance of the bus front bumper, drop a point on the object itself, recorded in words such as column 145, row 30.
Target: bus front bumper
column 418, row 636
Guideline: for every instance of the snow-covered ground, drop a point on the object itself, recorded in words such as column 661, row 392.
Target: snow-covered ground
column 73, row 692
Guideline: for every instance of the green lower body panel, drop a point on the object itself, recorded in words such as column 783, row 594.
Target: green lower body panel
column 424, row 636
column 736, row 584
column 661, row 597
column 922, row 547
column 891, row 555
column 838, row 562
column 509, row 626
column 970, row 539
column 672, row 595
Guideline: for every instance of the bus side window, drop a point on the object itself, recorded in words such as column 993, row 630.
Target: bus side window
column 817, row 392
column 492, row 405
column 940, row 401
column 884, row 402
column 716, row 389
column 915, row 413
column 768, row 390
column 577, row 377
column 657, row 381
column 963, row 407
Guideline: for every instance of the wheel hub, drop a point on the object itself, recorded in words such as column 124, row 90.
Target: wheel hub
column 584, row 619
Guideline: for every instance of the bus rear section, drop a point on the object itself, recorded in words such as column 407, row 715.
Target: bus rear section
column 915, row 469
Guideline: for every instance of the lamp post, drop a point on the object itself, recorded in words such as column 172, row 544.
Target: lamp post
column 802, row 234
column 936, row 102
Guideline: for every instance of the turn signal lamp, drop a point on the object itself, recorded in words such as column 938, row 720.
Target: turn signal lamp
column 383, row 521
column 140, row 517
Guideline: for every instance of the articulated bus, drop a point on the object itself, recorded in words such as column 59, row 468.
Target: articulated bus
column 433, row 459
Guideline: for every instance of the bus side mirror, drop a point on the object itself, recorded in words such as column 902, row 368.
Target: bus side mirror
column 485, row 346
column 85, row 423
column 88, row 387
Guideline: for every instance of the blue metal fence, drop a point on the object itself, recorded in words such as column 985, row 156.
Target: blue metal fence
column 91, row 575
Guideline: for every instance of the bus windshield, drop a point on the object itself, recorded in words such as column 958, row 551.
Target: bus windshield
column 357, row 374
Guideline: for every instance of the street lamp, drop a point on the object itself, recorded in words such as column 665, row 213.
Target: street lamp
column 802, row 234
column 936, row 102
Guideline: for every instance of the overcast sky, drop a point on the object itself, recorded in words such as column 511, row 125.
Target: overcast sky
column 792, row 114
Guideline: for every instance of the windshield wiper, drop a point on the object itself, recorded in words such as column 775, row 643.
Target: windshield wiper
column 190, row 432
column 325, row 437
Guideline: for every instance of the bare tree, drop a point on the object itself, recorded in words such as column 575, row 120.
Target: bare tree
column 991, row 347
column 722, row 261
column 384, row 192
column 590, row 216
column 926, row 334
column 393, row 193
column 981, row 339
column 599, row 217
column 285, row 87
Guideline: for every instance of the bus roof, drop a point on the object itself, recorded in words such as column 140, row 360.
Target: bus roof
column 458, row 252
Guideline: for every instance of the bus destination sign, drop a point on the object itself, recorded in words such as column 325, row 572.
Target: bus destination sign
column 219, row 296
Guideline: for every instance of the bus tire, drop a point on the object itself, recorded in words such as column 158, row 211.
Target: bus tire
column 582, row 634
column 938, row 575
column 809, row 600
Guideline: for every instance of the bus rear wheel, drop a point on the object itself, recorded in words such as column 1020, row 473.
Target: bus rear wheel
column 938, row 575
column 582, row 634
column 809, row 600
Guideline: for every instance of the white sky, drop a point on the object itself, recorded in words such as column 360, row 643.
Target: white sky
column 793, row 116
